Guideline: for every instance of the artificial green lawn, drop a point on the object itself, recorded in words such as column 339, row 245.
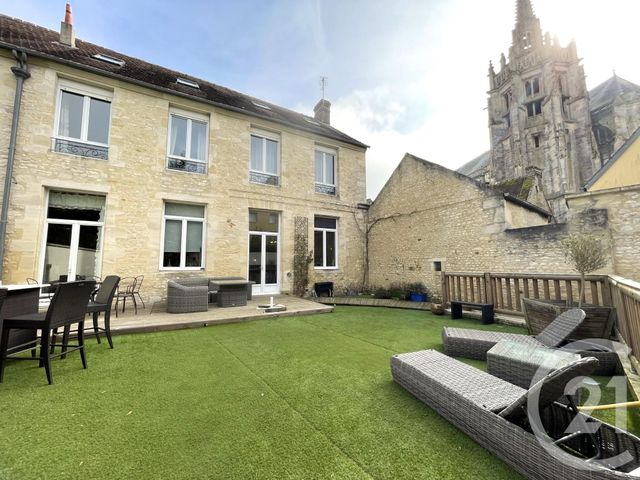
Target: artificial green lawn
column 295, row 397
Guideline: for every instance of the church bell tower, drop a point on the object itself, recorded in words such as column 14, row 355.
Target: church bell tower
column 539, row 117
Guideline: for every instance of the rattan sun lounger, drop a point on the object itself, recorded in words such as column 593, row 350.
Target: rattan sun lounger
column 494, row 413
column 469, row 343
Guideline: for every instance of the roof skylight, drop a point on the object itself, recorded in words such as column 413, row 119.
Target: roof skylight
column 310, row 120
column 108, row 59
column 187, row 83
column 261, row 105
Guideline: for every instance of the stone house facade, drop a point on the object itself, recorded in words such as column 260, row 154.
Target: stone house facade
column 128, row 168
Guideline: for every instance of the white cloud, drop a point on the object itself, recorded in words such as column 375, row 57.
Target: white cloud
column 372, row 117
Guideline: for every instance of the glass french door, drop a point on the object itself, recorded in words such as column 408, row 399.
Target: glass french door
column 72, row 252
column 72, row 249
column 263, row 263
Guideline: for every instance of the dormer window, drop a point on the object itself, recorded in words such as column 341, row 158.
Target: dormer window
column 108, row 59
column 261, row 105
column 187, row 83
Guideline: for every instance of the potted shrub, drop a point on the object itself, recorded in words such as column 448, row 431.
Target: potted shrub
column 585, row 253
column 437, row 307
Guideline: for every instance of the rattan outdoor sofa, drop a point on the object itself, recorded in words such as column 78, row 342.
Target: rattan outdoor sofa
column 469, row 343
column 501, row 417
column 186, row 295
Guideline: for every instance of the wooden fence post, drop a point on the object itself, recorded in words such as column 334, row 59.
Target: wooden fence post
column 607, row 300
column 445, row 288
column 488, row 294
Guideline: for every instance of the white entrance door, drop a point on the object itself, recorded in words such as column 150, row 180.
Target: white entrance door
column 264, row 252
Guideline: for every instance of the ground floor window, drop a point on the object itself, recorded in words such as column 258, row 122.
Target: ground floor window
column 325, row 242
column 183, row 236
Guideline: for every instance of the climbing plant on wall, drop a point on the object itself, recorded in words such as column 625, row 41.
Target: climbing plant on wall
column 301, row 255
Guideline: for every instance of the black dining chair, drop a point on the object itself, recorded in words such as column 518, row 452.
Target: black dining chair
column 68, row 307
column 102, row 303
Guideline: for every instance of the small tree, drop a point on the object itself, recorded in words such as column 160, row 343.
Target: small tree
column 585, row 253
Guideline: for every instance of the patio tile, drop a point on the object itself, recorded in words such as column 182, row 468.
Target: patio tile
column 154, row 318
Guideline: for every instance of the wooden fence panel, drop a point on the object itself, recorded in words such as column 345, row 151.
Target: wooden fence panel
column 506, row 291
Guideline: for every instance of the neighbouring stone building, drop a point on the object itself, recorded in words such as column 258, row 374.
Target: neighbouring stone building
column 428, row 219
column 126, row 167
column 545, row 126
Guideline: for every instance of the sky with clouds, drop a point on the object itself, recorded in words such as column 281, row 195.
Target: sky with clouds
column 404, row 75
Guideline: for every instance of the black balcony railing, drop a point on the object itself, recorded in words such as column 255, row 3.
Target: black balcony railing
column 82, row 149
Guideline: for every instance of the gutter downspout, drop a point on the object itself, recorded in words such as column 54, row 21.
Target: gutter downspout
column 21, row 73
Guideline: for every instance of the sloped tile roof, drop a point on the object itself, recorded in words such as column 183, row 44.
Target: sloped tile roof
column 42, row 42
column 475, row 166
column 608, row 91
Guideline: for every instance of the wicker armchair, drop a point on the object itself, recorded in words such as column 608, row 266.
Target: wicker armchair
column 186, row 295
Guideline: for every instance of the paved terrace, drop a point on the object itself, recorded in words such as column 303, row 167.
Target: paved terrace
column 155, row 318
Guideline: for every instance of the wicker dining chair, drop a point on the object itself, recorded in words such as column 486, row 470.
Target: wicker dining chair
column 68, row 307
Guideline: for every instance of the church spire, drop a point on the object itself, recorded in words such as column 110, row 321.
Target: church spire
column 524, row 11
column 527, row 34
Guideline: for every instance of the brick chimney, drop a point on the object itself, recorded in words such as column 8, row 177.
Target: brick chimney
column 322, row 111
column 67, row 34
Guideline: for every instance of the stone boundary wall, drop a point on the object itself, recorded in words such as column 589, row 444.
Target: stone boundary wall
column 424, row 216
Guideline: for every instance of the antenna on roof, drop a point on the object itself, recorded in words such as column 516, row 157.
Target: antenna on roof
column 324, row 81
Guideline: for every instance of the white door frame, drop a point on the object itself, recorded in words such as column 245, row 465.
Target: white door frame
column 73, row 248
column 262, row 288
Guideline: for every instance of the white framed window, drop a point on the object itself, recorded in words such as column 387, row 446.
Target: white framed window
column 187, row 142
column 182, row 237
column 325, row 242
column 325, row 160
column 83, row 120
column 265, row 158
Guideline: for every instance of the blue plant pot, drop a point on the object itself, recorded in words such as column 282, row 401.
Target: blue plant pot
column 417, row 297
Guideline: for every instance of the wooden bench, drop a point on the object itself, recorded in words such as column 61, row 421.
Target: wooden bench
column 486, row 308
